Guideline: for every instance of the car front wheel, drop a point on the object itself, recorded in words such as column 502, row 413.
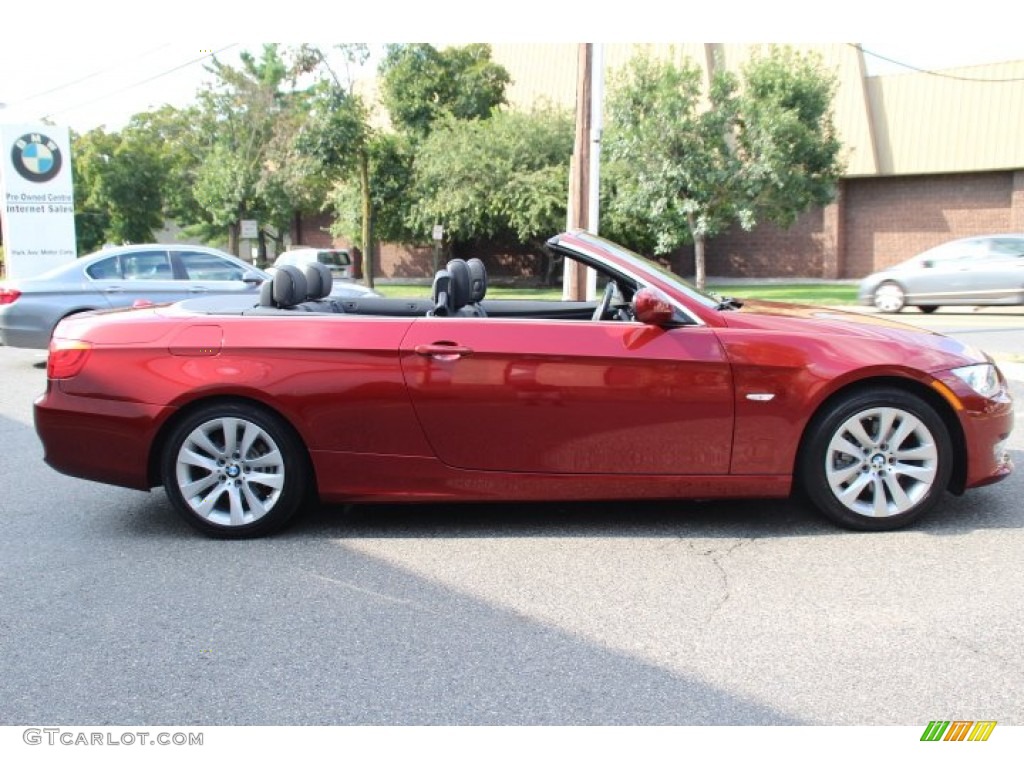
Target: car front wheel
column 877, row 460
column 233, row 470
column 889, row 297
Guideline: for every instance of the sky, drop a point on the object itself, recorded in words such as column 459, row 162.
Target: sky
column 129, row 64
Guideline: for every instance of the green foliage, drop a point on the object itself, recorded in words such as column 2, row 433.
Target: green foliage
column 118, row 184
column 245, row 123
column 684, row 165
column 390, row 172
column 420, row 85
column 486, row 178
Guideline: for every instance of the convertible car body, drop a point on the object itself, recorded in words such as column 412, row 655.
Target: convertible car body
column 656, row 391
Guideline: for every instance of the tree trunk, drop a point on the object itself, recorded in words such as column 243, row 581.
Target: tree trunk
column 261, row 249
column 233, row 243
column 698, row 262
column 364, row 183
column 699, row 277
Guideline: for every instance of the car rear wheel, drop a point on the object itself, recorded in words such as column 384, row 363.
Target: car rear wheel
column 877, row 460
column 889, row 297
column 233, row 470
column 928, row 308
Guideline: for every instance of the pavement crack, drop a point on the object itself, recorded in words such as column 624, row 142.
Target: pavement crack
column 368, row 592
column 717, row 555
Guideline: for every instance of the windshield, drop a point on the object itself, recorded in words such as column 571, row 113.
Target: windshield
column 644, row 268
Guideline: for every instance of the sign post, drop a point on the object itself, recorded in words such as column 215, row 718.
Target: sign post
column 438, row 234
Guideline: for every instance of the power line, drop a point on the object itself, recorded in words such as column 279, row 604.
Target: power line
column 90, row 76
column 934, row 73
column 141, row 82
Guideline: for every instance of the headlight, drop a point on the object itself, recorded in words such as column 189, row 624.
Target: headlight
column 982, row 378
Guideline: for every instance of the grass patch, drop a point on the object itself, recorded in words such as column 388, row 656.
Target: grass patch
column 798, row 293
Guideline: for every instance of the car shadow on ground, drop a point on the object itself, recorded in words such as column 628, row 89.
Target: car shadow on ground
column 990, row 507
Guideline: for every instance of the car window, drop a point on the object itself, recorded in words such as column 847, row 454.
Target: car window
column 207, row 266
column 1007, row 246
column 147, row 265
column 105, row 269
column 334, row 258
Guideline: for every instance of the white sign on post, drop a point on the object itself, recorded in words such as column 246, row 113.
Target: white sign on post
column 250, row 229
column 38, row 213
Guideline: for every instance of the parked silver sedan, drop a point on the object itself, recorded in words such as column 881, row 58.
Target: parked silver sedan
column 30, row 308
column 973, row 271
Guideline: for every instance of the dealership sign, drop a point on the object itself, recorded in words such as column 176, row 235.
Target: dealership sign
column 38, row 213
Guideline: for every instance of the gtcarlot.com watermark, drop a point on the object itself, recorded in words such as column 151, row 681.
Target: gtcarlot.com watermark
column 72, row 738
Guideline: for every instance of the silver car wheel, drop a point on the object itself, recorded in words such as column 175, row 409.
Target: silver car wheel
column 881, row 462
column 230, row 471
column 889, row 297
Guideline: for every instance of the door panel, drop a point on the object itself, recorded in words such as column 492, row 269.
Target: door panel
column 570, row 397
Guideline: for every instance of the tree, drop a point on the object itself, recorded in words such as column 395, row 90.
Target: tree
column 490, row 178
column 181, row 144
column 685, row 165
column 338, row 136
column 118, row 180
column 242, row 118
column 390, row 168
column 420, row 84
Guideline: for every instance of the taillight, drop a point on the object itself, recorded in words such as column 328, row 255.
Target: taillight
column 9, row 295
column 67, row 358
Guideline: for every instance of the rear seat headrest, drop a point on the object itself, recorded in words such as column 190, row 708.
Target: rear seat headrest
column 477, row 280
column 319, row 281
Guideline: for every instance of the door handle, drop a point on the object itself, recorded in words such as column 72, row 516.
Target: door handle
column 442, row 350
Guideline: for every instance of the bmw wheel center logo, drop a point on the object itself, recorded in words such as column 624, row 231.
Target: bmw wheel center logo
column 36, row 157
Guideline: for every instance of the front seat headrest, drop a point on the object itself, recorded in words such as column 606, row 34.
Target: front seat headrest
column 289, row 286
column 461, row 284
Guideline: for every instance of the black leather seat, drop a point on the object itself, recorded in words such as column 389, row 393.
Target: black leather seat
column 458, row 289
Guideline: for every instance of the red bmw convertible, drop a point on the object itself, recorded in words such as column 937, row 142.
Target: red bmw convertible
column 656, row 391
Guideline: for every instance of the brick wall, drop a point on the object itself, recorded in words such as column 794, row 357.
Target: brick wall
column 889, row 220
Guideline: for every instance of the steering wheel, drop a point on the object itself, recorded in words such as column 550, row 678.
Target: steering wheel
column 606, row 301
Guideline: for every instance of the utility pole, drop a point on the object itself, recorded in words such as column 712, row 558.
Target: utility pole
column 575, row 281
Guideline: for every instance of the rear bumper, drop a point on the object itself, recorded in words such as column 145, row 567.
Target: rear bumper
column 102, row 440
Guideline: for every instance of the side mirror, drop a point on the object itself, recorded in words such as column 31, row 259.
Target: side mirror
column 651, row 307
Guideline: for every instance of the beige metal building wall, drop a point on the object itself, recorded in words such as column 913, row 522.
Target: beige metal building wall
column 956, row 121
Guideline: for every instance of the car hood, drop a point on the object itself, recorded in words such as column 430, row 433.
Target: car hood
column 894, row 341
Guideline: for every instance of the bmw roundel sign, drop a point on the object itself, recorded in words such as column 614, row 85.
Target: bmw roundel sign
column 36, row 157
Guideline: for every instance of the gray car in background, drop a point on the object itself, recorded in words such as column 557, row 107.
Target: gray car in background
column 30, row 308
column 338, row 260
column 973, row 271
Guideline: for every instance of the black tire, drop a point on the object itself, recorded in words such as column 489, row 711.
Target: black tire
column 928, row 308
column 855, row 474
column 233, row 470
